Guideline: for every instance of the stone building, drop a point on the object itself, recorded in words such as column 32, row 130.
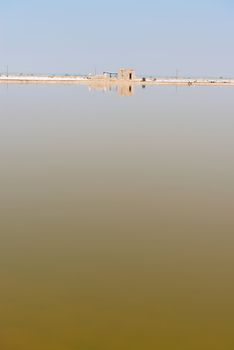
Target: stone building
column 126, row 74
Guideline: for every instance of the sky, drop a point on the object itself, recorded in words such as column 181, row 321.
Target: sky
column 155, row 37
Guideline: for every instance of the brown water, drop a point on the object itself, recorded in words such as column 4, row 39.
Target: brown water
column 117, row 224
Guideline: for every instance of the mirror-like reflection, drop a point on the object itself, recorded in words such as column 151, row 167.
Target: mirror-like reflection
column 124, row 89
column 116, row 227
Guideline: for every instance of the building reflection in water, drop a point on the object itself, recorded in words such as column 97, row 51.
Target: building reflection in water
column 124, row 89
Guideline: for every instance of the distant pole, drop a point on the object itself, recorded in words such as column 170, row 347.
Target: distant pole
column 7, row 70
column 176, row 73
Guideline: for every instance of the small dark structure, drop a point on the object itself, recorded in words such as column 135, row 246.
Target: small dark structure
column 110, row 74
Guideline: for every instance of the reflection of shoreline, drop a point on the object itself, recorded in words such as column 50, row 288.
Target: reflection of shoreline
column 123, row 87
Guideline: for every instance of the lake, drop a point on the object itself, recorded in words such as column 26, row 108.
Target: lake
column 117, row 224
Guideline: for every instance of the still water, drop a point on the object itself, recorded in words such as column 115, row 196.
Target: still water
column 117, row 218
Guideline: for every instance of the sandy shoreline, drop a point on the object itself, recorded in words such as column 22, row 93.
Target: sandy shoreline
column 103, row 81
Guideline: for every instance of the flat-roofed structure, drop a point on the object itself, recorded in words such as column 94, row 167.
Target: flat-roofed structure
column 126, row 74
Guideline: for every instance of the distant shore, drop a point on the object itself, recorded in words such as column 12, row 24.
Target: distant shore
column 102, row 80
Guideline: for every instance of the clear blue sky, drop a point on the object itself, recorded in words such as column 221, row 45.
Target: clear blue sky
column 154, row 37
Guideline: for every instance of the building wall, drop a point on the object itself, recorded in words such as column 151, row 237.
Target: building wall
column 126, row 74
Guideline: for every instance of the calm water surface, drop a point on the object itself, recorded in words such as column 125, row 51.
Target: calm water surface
column 117, row 225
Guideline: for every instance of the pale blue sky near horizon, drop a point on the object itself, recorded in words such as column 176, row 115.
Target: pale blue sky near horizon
column 154, row 37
